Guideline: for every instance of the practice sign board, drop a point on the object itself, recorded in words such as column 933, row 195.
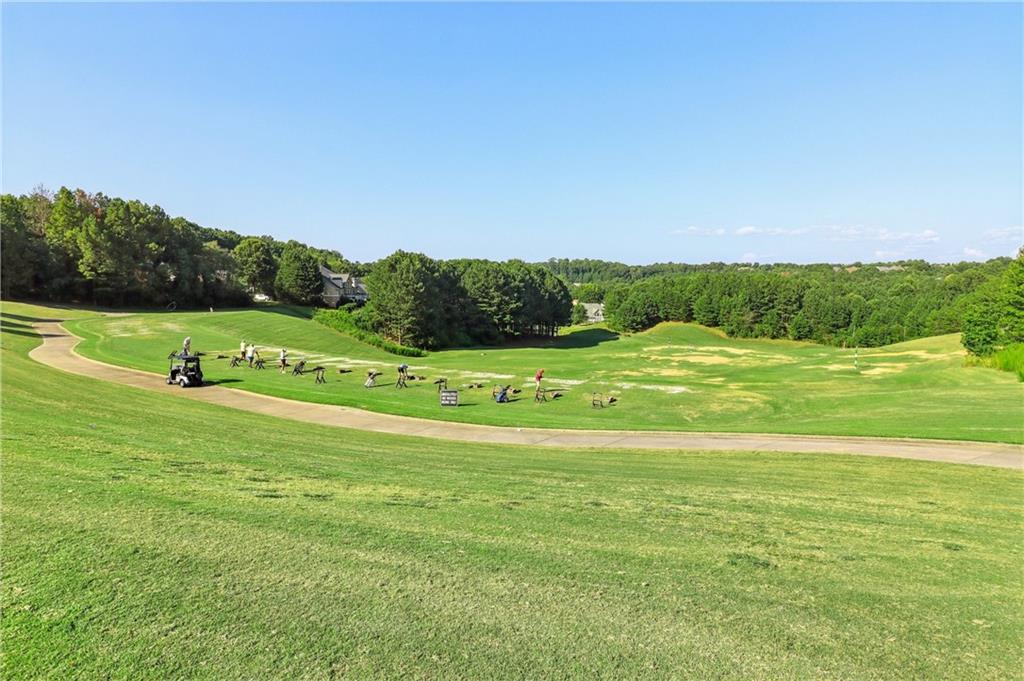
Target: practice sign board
column 449, row 398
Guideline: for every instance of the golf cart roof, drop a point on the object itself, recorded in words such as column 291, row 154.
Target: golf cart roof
column 186, row 358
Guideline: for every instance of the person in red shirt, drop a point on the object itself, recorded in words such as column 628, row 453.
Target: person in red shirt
column 539, row 377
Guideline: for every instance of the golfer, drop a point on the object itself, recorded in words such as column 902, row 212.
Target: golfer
column 241, row 349
column 186, row 346
column 282, row 359
column 250, row 353
column 538, row 377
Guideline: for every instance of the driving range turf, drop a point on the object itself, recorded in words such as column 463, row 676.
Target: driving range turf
column 679, row 377
column 145, row 536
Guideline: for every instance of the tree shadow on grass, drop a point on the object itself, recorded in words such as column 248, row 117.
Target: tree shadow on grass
column 297, row 311
column 584, row 338
column 16, row 329
column 20, row 317
column 19, row 332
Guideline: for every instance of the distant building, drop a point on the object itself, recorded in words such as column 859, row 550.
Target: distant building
column 342, row 288
column 595, row 312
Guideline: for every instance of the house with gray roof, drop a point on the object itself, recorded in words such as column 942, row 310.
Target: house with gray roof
column 342, row 288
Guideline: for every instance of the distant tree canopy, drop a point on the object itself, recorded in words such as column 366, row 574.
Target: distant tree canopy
column 76, row 246
column 585, row 270
column 417, row 301
column 589, row 293
column 856, row 305
column 93, row 248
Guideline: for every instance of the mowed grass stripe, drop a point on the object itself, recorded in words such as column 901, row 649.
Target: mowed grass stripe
column 151, row 537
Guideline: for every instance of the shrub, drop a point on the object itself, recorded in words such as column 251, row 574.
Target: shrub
column 1011, row 358
column 579, row 314
column 345, row 322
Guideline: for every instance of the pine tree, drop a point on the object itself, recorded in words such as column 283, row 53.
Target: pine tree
column 255, row 264
column 298, row 276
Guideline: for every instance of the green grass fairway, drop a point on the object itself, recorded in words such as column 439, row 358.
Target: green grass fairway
column 146, row 536
column 674, row 377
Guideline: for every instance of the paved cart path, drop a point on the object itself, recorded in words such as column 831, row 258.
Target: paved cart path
column 58, row 346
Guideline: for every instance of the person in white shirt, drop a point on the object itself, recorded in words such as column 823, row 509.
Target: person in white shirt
column 283, row 359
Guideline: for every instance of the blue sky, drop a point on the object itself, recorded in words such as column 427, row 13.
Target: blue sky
column 639, row 133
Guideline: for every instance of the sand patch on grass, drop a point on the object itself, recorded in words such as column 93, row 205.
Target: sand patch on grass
column 873, row 369
column 882, row 370
column 708, row 356
column 671, row 389
column 703, row 359
column 481, row 374
column 340, row 361
column 831, row 367
column 653, row 371
column 121, row 329
column 140, row 327
column 270, row 353
column 922, row 354
column 671, row 372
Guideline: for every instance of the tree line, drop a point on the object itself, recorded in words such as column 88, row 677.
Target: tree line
column 856, row 306
column 421, row 302
column 587, row 270
column 80, row 247
column 993, row 318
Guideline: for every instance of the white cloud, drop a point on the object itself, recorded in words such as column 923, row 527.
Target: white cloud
column 699, row 231
column 749, row 257
column 892, row 244
column 772, row 231
column 881, row 234
column 973, row 253
column 1002, row 235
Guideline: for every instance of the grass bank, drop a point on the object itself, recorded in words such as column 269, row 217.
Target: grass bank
column 150, row 537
